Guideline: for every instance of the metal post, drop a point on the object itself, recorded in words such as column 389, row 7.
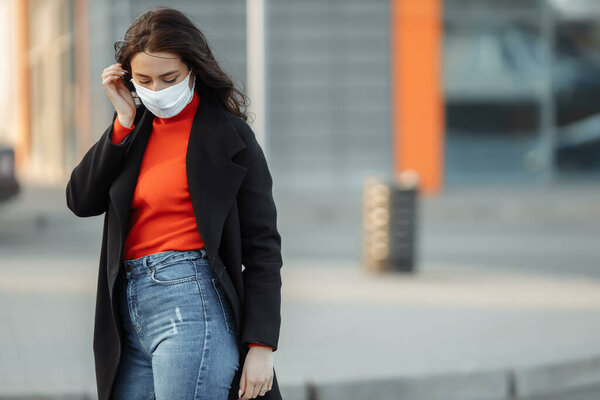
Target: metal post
column 548, row 103
column 256, row 56
column 82, row 76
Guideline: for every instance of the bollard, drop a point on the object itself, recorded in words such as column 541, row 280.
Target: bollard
column 9, row 186
column 390, row 223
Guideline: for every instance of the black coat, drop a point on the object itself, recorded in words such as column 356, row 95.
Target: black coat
column 230, row 189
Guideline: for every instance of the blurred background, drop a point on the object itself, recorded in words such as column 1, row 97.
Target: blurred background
column 494, row 107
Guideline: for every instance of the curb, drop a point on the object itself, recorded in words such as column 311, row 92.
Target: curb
column 486, row 385
column 497, row 384
column 552, row 378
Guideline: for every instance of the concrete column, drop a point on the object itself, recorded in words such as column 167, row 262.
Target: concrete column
column 417, row 98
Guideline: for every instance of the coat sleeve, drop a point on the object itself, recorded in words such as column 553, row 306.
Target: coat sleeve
column 87, row 188
column 261, row 248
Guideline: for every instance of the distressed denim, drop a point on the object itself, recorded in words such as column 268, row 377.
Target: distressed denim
column 179, row 331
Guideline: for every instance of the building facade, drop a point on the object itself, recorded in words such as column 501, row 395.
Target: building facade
column 519, row 83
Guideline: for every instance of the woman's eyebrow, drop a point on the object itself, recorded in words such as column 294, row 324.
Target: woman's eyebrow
column 160, row 76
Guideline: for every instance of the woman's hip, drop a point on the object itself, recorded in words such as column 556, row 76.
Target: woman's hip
column 176, row 295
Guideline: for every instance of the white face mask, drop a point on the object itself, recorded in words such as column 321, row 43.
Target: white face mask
column 167, row 102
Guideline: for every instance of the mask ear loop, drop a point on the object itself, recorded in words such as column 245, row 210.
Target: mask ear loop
column 193, row 82
column 132, row 89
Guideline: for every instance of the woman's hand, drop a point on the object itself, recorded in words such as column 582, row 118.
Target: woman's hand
column 118, row 93
column 257, row 373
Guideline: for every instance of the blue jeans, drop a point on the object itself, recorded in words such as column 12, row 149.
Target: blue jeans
column 180, row 336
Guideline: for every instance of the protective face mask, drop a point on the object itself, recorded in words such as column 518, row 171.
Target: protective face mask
column 167, row 102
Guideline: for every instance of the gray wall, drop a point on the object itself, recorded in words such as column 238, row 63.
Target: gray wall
column 329, row 98
column 327, row 77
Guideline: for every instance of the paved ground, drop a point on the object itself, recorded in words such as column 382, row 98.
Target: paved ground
column 502, row 282
column 544, row 230
column 587, row 393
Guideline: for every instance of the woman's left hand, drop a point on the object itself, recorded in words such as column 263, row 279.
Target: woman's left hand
column 257, row 373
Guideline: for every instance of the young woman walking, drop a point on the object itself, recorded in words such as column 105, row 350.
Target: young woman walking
column 188, row 298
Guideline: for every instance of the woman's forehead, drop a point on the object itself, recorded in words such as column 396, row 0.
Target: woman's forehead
column 148, row 63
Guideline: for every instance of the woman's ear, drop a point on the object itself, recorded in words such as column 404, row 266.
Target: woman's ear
column 127, row 81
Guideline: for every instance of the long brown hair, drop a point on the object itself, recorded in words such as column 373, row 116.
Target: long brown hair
column 163, row 29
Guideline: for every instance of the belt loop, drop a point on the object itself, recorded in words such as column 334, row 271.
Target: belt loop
column 145, row 262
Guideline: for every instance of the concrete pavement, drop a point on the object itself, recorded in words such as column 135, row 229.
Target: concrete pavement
column 450, row 331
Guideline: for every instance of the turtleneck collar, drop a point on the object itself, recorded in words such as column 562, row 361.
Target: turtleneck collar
column 188, row 112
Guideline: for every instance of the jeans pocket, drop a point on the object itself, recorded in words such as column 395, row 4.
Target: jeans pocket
column 225, row 307
column 173, row 273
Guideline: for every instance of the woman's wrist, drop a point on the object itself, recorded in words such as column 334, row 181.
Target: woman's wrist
column 119, row 132
column 259, row 345
column 125, row 121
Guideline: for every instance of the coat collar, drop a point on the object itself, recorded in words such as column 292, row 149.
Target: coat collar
column 213, row 178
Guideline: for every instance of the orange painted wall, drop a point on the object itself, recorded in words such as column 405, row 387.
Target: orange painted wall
column 417, row 91
column 21, row 48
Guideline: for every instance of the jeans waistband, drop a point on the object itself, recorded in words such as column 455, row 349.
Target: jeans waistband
column 151, row 260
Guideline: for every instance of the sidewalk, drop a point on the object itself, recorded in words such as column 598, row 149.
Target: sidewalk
column 451, row 331
column 445, row 330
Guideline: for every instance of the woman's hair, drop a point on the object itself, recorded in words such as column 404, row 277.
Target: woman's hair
column 163, row 29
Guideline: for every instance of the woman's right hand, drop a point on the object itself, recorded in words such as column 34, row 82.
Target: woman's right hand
column 119, row 94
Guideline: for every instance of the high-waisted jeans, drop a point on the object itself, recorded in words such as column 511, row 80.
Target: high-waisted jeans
column 179, row 330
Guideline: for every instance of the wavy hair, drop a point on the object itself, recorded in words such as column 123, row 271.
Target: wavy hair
column 163, row 29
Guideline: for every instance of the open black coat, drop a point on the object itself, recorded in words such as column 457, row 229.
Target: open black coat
column 231, row 193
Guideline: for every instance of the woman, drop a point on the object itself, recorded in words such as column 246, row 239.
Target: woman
column 186, row 193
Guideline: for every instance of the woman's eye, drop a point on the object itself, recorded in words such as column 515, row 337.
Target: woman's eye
column 146, row 82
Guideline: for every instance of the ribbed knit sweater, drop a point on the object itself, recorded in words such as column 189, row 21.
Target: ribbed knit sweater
column 161, row 215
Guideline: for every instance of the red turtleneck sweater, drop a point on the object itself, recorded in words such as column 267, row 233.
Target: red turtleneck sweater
column 161, row 216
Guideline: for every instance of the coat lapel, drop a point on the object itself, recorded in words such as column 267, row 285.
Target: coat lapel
column 213, row 178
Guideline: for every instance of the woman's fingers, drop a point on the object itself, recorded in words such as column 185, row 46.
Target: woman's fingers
column 267, row 386
column 116, row 66
column 254, row 392
column 253, row 389
column 115, row 76
column 110, row 79
column 264, row 387
column 242, row 384
column 111, row 75
column 118, row 92
column 113, row 70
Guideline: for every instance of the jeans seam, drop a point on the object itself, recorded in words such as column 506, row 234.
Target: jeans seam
column 229, row 326
column 178, row 256
column 138, row 323
column 206, row 332
column 170, row 282
column 168, row 257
